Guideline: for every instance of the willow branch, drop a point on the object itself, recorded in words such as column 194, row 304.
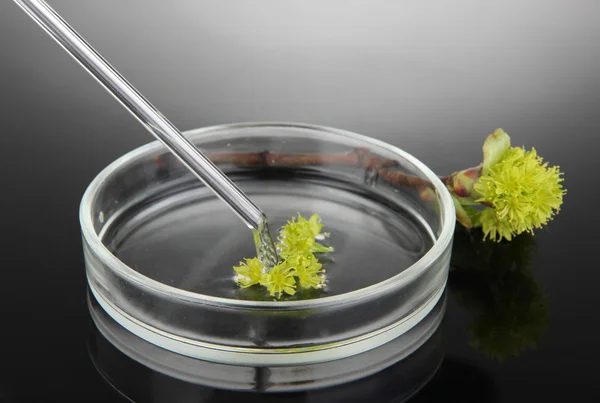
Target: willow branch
column 386, row 168
column 359, row 157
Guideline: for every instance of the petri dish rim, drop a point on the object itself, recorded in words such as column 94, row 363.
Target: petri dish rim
column 92, row 239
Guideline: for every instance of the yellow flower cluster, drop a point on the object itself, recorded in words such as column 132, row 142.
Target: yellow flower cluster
column 297, row 245
column 522, row 193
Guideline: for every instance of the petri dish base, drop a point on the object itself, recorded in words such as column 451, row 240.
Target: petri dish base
column 422, row 343
column 159, row 246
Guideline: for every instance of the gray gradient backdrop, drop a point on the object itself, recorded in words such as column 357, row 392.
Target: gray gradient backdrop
column 432, row 77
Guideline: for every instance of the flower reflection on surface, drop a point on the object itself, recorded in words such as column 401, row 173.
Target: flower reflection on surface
column 495, row 284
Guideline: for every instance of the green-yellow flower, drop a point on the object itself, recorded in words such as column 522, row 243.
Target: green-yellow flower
column 297, row 245
column 298, row 238
column 522, row 193
column 248, row 273
column 308, row 270
column 280, row 280
column 311, row 227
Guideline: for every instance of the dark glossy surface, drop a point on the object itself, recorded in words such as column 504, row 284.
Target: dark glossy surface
column 432, row 79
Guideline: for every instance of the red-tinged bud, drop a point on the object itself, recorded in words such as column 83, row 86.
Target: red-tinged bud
column 426, row 193
column 463, row 181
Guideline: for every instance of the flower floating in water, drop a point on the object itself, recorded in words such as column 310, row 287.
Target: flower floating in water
column 511, row 192
column 297, row 245
column 308, row 270
column 299, row 238
column 248, row 273
column 280, row 280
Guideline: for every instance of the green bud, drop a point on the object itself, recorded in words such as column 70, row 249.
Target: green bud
column 461, row 214
column 494, row 147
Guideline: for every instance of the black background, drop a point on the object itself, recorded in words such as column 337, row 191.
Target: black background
column 433, row 78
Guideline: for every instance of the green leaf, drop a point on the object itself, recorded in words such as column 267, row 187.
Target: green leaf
column 494, row 147
column 474, row 216
column 461, row 214
column 467, row 201
column 466, row 215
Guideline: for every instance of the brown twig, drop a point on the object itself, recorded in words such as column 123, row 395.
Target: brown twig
column 447, row 179
column 359, row 157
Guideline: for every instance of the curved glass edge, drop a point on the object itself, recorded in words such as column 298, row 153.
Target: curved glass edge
column 262, row 356
column 442, row 243
column 418, row 353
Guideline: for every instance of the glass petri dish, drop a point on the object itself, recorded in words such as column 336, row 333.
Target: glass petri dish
column 159, row 246
column 401, row 366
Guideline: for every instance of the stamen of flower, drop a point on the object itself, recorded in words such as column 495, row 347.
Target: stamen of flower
column 297, row 247
column 525, row 194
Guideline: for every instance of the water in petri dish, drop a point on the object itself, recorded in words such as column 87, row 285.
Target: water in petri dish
column 189, row 239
